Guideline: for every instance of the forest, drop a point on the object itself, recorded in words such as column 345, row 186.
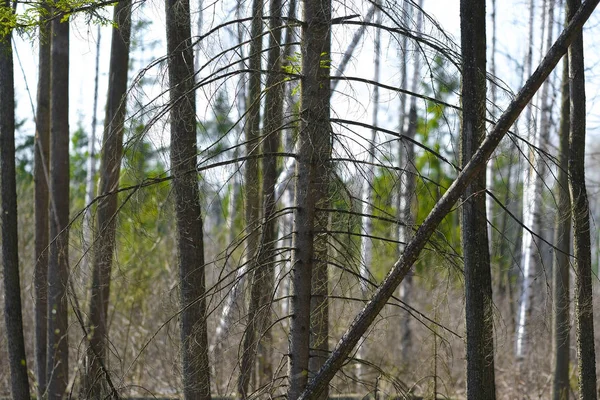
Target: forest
column 302, row 200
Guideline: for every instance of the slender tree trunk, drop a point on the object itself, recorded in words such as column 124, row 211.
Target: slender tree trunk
column 478, row 276
column 57, row 371
column 190, row 246
column 408, row 187
column 258, row 336
column 444, row 205
column 41, row 178
column 251, row 171
column 110, row 169
column 531, row 195
column 10, row 247
column 489, row 169
column 584, row 314
column 562, row 240
column 312, row 169
column 91, row 167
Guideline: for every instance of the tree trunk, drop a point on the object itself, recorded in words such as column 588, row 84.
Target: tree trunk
column 444, row 205
column 10, row 247
column 531, row 195
column 41, row 178
column 190, row 246
column 258, row 336
column 251, row 171
column 562, row 241
column 584, row 315
column 110, row 168
column 479, row 311
column 57, row 371
column 312, row 170
column 408, row 187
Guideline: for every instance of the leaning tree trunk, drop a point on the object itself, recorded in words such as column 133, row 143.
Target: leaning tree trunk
column 402, row 266
column 584, row 314
column 257, row 337
column 10, row 247
column 41, row 178
column 562, row 240
column 312, row 169
column 110, row 168
column 57, row 362
column 190, row 246
column 251, row 171
column 478, row 276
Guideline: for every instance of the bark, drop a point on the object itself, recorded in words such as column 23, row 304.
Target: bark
column 531, row 195
column 251, row 171
column 584, row 315
column 41, row 179
column 399, row 270
column 478, row 277
column 190, row 246
column 258, row 336
column 562, row 240
column 57, row 371
column 110, row 169
column 312, row 170
column 10, row 247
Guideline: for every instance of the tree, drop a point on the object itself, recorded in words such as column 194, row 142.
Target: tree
column 190, row 246
column 110, row 168
column 408, row 184
column 562, row 239
column 251, row 171
column 584, row 313
column 10, row 248
column 478, row 276
column 58, row 265
column 257, row 334
column 311, row 183
column 41, row 177
column 402, row 266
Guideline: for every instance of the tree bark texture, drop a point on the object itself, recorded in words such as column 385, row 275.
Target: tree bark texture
column 10, row 247
column 584, row 315
column 41, row 179
column 312, row 168
column 401, row 267
column 110, row 169
column 57, row 371
column 562, row 240
column 190, row 247
column 251, row 170
column 478, row 277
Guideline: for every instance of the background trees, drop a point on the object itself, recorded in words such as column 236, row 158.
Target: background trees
column 169, row 198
